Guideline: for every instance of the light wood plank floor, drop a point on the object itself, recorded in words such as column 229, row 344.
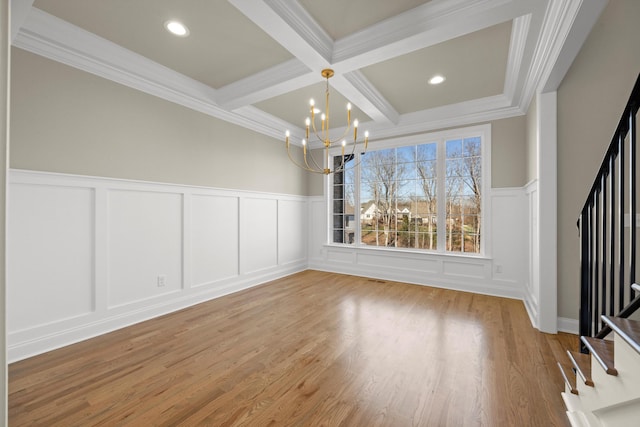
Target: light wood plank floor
column 307, row 350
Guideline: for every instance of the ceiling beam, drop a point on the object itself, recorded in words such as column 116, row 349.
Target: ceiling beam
column 282, row 78
column 289, row 24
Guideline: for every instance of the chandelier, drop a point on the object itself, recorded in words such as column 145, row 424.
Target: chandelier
column 322, row 135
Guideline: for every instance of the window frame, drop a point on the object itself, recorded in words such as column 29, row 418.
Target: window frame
column 440, row 137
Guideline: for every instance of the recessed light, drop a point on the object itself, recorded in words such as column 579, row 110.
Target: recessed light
column 436, row 80
column 176, row 28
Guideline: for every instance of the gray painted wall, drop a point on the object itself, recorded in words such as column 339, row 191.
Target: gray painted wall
column 65, row 120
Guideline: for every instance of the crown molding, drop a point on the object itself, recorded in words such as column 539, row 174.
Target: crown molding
column 556, row 27
column 48, row 36
column 19, row 11
column 581, row 25
column 538, row 38
column 519, row 36
column 464, row 113
column 265, row 123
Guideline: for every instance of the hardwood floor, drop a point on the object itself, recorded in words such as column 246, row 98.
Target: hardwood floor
column 311, row 349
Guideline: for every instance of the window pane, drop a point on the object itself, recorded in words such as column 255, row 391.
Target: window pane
column 464, row 198
column 426, row 241
column 350, row 176
column 338, row 192
column 338, row 207
column 374, row 237
column 472, row 243
column 406, row 190
column 380, row 188
column 454, row 242
column 426, row 152
column 471, row 224
column 406, row 240
column 398, row 200
column 426, row 169
column 343, row 202
column 454, row 148
column 472, row 146
column 406, row 154
column 456, row 167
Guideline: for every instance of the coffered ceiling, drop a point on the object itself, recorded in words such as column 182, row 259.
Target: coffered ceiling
column 256, row 63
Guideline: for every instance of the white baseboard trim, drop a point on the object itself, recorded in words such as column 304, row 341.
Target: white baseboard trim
column 570, row 326
column 23, row 347
column 397, row 275
column 532, row 309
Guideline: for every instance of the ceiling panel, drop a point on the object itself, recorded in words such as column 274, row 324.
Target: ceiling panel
column 294, row 106
column 474, row 66
column 273, row 54
column 223, row 45
column 340, row 18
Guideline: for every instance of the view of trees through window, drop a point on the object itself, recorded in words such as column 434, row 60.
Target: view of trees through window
column 408, row 195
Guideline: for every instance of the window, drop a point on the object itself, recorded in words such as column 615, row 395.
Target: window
column 414, row 194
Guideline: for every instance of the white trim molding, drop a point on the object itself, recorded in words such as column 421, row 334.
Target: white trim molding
column 88, row 255
column 500, row 274
column 547, row 224
column 570, row 326
column 544, row 33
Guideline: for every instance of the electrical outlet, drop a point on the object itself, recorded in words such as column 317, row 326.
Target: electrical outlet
column 498, row 268
column 162, row 279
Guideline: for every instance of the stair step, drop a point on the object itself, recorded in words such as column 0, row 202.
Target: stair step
column 569, row 383
column 602, row 351
column 628, row 329
column 577, row 419
column 582, row 364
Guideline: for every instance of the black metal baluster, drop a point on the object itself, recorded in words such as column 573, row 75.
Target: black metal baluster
column 621, row 190
column 585, row 262
column 596, row 261
column 632, row 201
column 603, row 287
column 610, row 208
column 612, row 226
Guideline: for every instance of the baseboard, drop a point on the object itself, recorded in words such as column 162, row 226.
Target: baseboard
column 482, row 287
column 570, row 326
column 531, row 309
column 84, row 328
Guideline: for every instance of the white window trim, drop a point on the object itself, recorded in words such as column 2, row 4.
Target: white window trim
column 483, row 131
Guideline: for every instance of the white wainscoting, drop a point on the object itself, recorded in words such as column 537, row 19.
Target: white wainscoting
column 88, row 255
column 532, row 280
column 501, row 272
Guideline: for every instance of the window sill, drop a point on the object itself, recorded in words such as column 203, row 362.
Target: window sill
column 400, row 251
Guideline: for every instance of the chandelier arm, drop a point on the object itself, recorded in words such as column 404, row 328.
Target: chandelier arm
column 315, row 132
column 352, row 155
column 316, row 165
column 325, row 137
column 300, row 165
column 346, row 131
column 331, row 142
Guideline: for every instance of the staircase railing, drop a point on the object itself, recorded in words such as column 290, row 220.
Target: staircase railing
column 607, row 226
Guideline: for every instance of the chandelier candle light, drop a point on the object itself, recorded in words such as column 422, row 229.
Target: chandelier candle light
column 323, row 136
